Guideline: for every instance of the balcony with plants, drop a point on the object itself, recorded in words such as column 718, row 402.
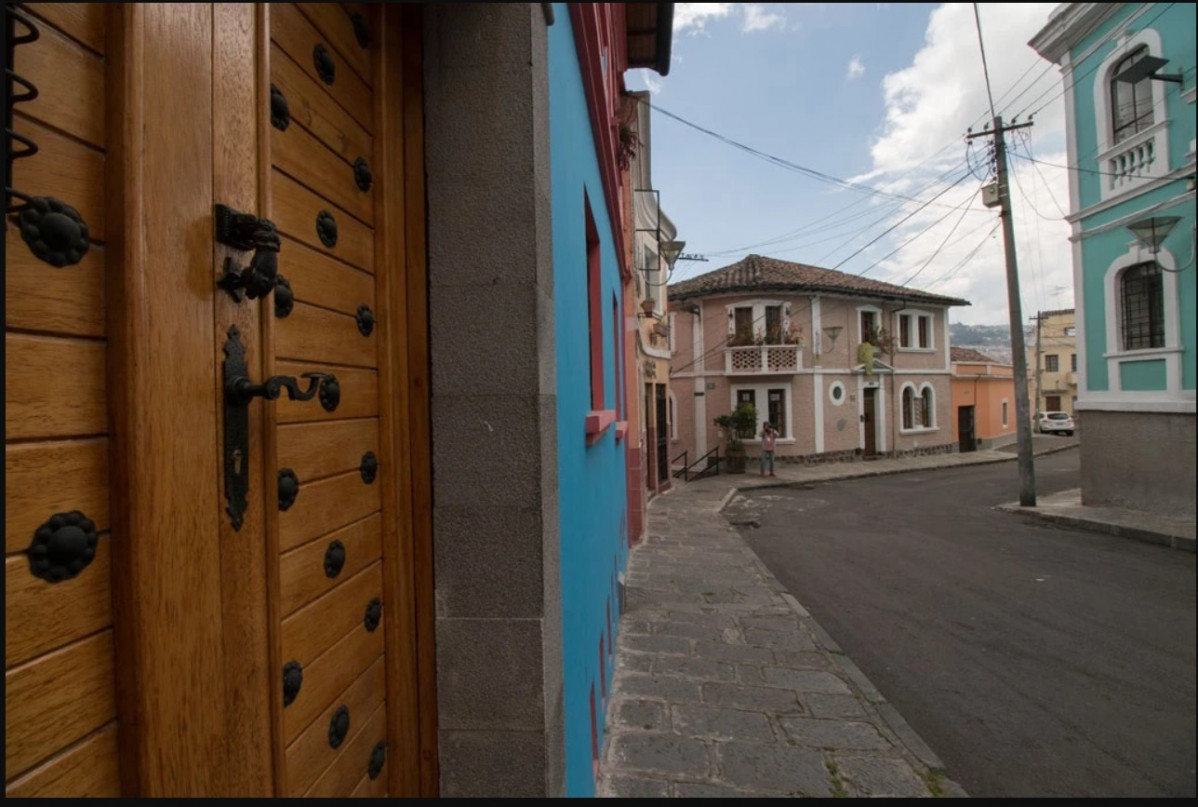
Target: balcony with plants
column 767, row 351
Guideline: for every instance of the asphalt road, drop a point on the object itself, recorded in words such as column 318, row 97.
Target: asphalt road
column 1035, row 660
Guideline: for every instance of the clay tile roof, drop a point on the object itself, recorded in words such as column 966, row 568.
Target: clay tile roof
column 756, row 273
column 968, row 354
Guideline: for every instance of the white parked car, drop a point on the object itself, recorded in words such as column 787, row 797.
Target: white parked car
column 1055, row 423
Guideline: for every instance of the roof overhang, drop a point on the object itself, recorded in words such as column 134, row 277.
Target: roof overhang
column 832, row 291
column 650, row 30
column 1068, row 25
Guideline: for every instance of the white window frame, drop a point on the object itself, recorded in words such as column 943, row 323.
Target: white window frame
column 877, row 317
column 909, row 318
column 761, row 395
column 837, row 385
column 672, row 414
column 1108, row 149
column 1171, row 352
column 758, row 307
column 917, row 393
column 1006, row 413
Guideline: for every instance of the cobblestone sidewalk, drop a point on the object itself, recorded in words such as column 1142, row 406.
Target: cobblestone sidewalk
column 725, row 686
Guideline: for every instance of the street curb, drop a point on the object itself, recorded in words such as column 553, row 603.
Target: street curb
column 1180, row 542
column 887, row 472
column 903, row 732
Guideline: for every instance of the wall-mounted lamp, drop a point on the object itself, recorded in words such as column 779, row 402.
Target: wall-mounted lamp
column 1151, row 232
column 670, row 250
column 831, row 331
column 1146, row 67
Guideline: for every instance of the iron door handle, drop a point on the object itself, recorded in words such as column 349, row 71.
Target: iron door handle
column 239, row 391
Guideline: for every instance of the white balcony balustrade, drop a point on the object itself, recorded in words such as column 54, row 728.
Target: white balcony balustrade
column 763, row 359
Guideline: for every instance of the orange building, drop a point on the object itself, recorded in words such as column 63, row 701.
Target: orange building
column 983, row 400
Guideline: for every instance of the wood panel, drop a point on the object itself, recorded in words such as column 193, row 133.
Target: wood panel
column 316, row 627
column 54, row 387
column 331, row 672
column 65, row 169
column 40, row 616
column 321, row 336
column 42, row 479
column 298, row 38
column 170, row 629
column 38, row 297
column 354, row 759
column 86, row 23
column 301, row 573
column 324, row 506
column 239, row 104
column 87, row 770
column 375, row 788
column 314, row 450
column 319, row 279
column 70, row 81
column 294, row 209
column 333, row 21
column 359, row 394
column 306, row 159
column 311, row 754
column 57, row 700
column 311, row 107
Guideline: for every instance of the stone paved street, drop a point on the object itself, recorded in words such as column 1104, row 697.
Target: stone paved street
column 726, row 687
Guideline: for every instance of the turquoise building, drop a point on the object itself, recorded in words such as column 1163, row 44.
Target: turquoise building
column 1128, row 72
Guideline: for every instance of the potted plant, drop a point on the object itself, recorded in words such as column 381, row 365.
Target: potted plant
column 738, row 424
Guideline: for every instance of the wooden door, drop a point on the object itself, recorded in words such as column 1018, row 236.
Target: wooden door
column 869, row 417
column 965, row 428
column 342, row 478
column 274, row 653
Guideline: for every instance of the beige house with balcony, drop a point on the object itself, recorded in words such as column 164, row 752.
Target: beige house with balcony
column 845, row 367
column 1052, row 362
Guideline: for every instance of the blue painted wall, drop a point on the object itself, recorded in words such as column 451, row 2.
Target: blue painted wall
column 1175, row 23
column 593, row 504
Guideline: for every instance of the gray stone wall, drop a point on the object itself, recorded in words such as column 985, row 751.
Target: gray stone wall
column 494, row 431
column 1140, row 460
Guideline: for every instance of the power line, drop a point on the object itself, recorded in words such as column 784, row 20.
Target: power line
column 932, row 257
column 985, row 68
column 784, row 163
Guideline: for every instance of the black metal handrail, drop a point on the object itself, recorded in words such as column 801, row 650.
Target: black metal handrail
column 709, row 469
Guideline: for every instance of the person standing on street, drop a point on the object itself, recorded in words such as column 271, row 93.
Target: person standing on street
column 769, row 439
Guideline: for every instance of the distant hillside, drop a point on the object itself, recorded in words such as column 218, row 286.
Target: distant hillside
column 993, row 340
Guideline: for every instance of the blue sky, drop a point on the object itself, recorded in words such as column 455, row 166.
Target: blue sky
column 880, row 94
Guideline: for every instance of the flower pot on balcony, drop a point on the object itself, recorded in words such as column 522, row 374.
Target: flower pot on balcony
column 648, row 305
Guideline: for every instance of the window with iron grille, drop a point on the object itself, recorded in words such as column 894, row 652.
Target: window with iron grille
column 1051, row 363
column 777, row 411
column 1142, row 299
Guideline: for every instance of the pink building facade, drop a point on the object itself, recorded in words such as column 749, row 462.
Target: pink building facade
column 844, row 367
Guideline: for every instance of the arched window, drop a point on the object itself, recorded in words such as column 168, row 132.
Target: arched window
column 1142, row 305
column 908, row 407
column 1131, row 104
column 928, row 407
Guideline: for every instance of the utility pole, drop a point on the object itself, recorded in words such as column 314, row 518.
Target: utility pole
column 1023, row 419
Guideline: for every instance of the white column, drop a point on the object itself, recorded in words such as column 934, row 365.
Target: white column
column 882, row 414
column 700, row 387
column 816, row 329
column 817, row 384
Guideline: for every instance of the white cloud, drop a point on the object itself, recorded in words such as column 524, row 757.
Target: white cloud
column 758, row 19
column 856, row 68
column 693, row 17
column 929, row 106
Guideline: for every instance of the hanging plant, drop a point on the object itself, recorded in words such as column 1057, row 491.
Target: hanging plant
column 865, row 355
